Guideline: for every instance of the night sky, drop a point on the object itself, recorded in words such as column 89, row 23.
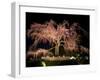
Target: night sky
column 83, row 20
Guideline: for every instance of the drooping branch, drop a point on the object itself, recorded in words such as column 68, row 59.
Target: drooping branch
column 48, row 33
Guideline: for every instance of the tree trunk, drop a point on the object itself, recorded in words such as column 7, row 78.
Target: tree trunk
column 57, row 50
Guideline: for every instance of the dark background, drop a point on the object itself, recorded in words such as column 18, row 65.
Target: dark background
column 83, row 20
